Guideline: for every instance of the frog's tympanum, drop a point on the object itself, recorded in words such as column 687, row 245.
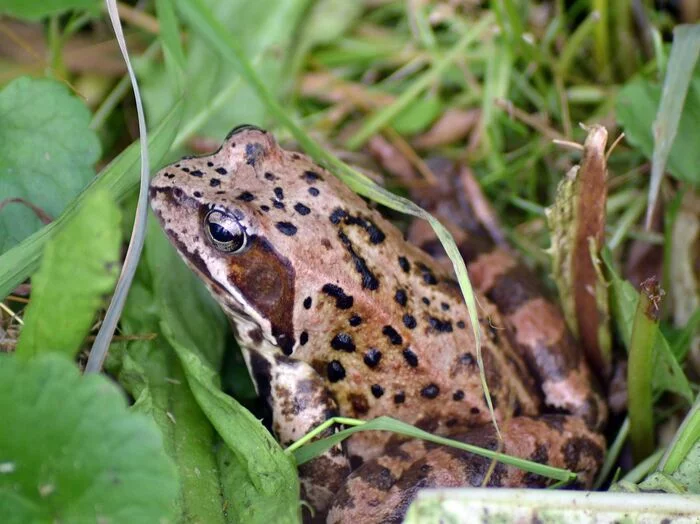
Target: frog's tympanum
column 337, row 314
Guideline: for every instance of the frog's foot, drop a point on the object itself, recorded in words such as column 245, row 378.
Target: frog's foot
column 382, row 489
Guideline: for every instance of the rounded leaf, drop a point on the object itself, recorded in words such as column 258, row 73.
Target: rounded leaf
column 70, row 451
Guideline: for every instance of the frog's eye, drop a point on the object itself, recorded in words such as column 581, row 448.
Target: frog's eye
column 225, row 232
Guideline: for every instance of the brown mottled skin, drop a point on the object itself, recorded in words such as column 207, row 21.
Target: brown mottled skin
column 534, row 324
column 338, row 315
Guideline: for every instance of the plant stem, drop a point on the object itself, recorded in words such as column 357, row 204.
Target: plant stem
column 575, row 43
column 640, row 370
column 602, row 41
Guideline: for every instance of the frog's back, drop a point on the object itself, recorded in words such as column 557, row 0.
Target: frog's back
column 382, row 323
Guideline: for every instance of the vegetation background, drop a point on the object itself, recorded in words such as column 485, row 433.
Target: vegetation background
column 500, row 86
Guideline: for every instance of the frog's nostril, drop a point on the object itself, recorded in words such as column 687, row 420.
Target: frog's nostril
column 157, row 193
column 178, row 195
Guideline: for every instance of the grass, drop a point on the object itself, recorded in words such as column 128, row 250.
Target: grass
column 390, row 69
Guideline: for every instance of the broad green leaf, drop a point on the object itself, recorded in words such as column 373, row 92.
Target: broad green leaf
column 636, row 107
column 47, row 153
column 233, row 476
column 118, row 178
column 668, row 374
column 79, row 269
column 37, row 9
column 151, row 372
column 268, row 488
column 74, row 453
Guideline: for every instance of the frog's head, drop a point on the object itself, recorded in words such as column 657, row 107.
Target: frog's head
column 234, row 217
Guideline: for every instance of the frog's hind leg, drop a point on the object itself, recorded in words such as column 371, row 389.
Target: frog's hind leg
column 382, row 489
column 299, row 402
column 536, row 327
column 533, row 323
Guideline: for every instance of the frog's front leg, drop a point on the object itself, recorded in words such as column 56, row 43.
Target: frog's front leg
column 299, row 402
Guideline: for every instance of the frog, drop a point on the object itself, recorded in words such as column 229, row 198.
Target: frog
column 337, row 314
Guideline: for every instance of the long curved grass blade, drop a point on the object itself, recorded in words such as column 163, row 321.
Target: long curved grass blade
column 316, row 448
column 612, row 454
column 685, row 438
column 138, row 233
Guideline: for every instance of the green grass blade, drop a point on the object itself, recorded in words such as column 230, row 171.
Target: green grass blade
column 314, row 449
column 612, row 455
column 640, row 370
column 685, row 438
column 380, row 119
column 681, row 64
column 601, row 43
column 170, row 36
column 575, row 43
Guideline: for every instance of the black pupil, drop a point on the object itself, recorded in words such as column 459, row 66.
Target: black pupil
column 223, row 235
